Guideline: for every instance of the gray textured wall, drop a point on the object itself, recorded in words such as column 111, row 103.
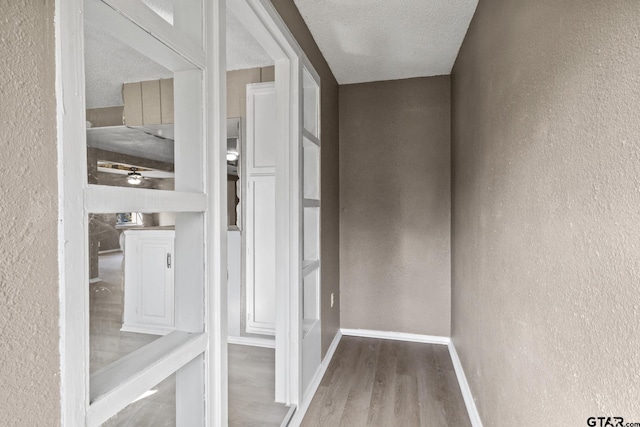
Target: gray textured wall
column 395, row 205
column 330, row 248
column 546, row 224
column 29, row 357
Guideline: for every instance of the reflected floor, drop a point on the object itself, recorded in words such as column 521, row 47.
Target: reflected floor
column 252, row 387
column 251, row 369
column 107, row 342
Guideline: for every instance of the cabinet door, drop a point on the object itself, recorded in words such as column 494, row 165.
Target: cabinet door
column 155, row 305
column 148, row 287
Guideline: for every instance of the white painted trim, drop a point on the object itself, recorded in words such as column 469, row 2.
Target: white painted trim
column 469, row 401
column 117, row 385
column 95, row 280
column 109, row 251
column 107, row 199
column 297, row 418
column 252, row 342
column 216, row 367
column 73, row 227
column 397, row 336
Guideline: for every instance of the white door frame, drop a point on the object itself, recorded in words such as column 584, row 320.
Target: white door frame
column 261, row 19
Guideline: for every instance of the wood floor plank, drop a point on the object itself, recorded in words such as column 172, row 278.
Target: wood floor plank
column 381, row 406
column 405, row 411
column 359, row 397
column 313, row 416
column 334, row 400
column 451, row 396
column 430, row 411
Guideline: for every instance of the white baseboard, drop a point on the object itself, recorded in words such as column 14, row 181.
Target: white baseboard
column 469, row 402
column 253, row 342
column 95, row 280
column 298, row 416
column 397, row 336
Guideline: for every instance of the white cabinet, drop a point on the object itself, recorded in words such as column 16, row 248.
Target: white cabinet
column 260, row 199
column 148, row 281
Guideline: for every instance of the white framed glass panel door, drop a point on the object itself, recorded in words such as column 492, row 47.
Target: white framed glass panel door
column 163, row 65
column 310, row 186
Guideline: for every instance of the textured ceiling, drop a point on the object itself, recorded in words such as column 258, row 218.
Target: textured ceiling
column 243, row 50
column 365, row 40
column 109, row 63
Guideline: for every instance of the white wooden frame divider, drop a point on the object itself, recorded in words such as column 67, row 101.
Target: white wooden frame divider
column 196, row 352
column 311, row 336
column 216, row 84
column 199, row 345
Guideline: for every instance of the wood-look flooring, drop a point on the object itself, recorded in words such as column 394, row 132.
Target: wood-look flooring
column 252, row 381
column 251, row 369
column 373, row 382
column 107, row 343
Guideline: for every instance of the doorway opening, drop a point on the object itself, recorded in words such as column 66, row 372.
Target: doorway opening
column 252, row 119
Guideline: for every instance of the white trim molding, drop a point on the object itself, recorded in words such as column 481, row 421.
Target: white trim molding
column 253, row 342
column 469, row 402
column 397, row 336
column 298, row 416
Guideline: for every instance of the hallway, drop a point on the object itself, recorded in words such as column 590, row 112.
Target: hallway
column 374, row 382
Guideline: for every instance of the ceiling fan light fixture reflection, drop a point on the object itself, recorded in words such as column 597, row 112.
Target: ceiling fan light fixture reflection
column 134, row 178
column 232, row 156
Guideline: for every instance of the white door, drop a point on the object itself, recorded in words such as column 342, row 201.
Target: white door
column 260, row 191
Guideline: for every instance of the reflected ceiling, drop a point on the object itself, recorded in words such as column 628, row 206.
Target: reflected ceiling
column 109, row 63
